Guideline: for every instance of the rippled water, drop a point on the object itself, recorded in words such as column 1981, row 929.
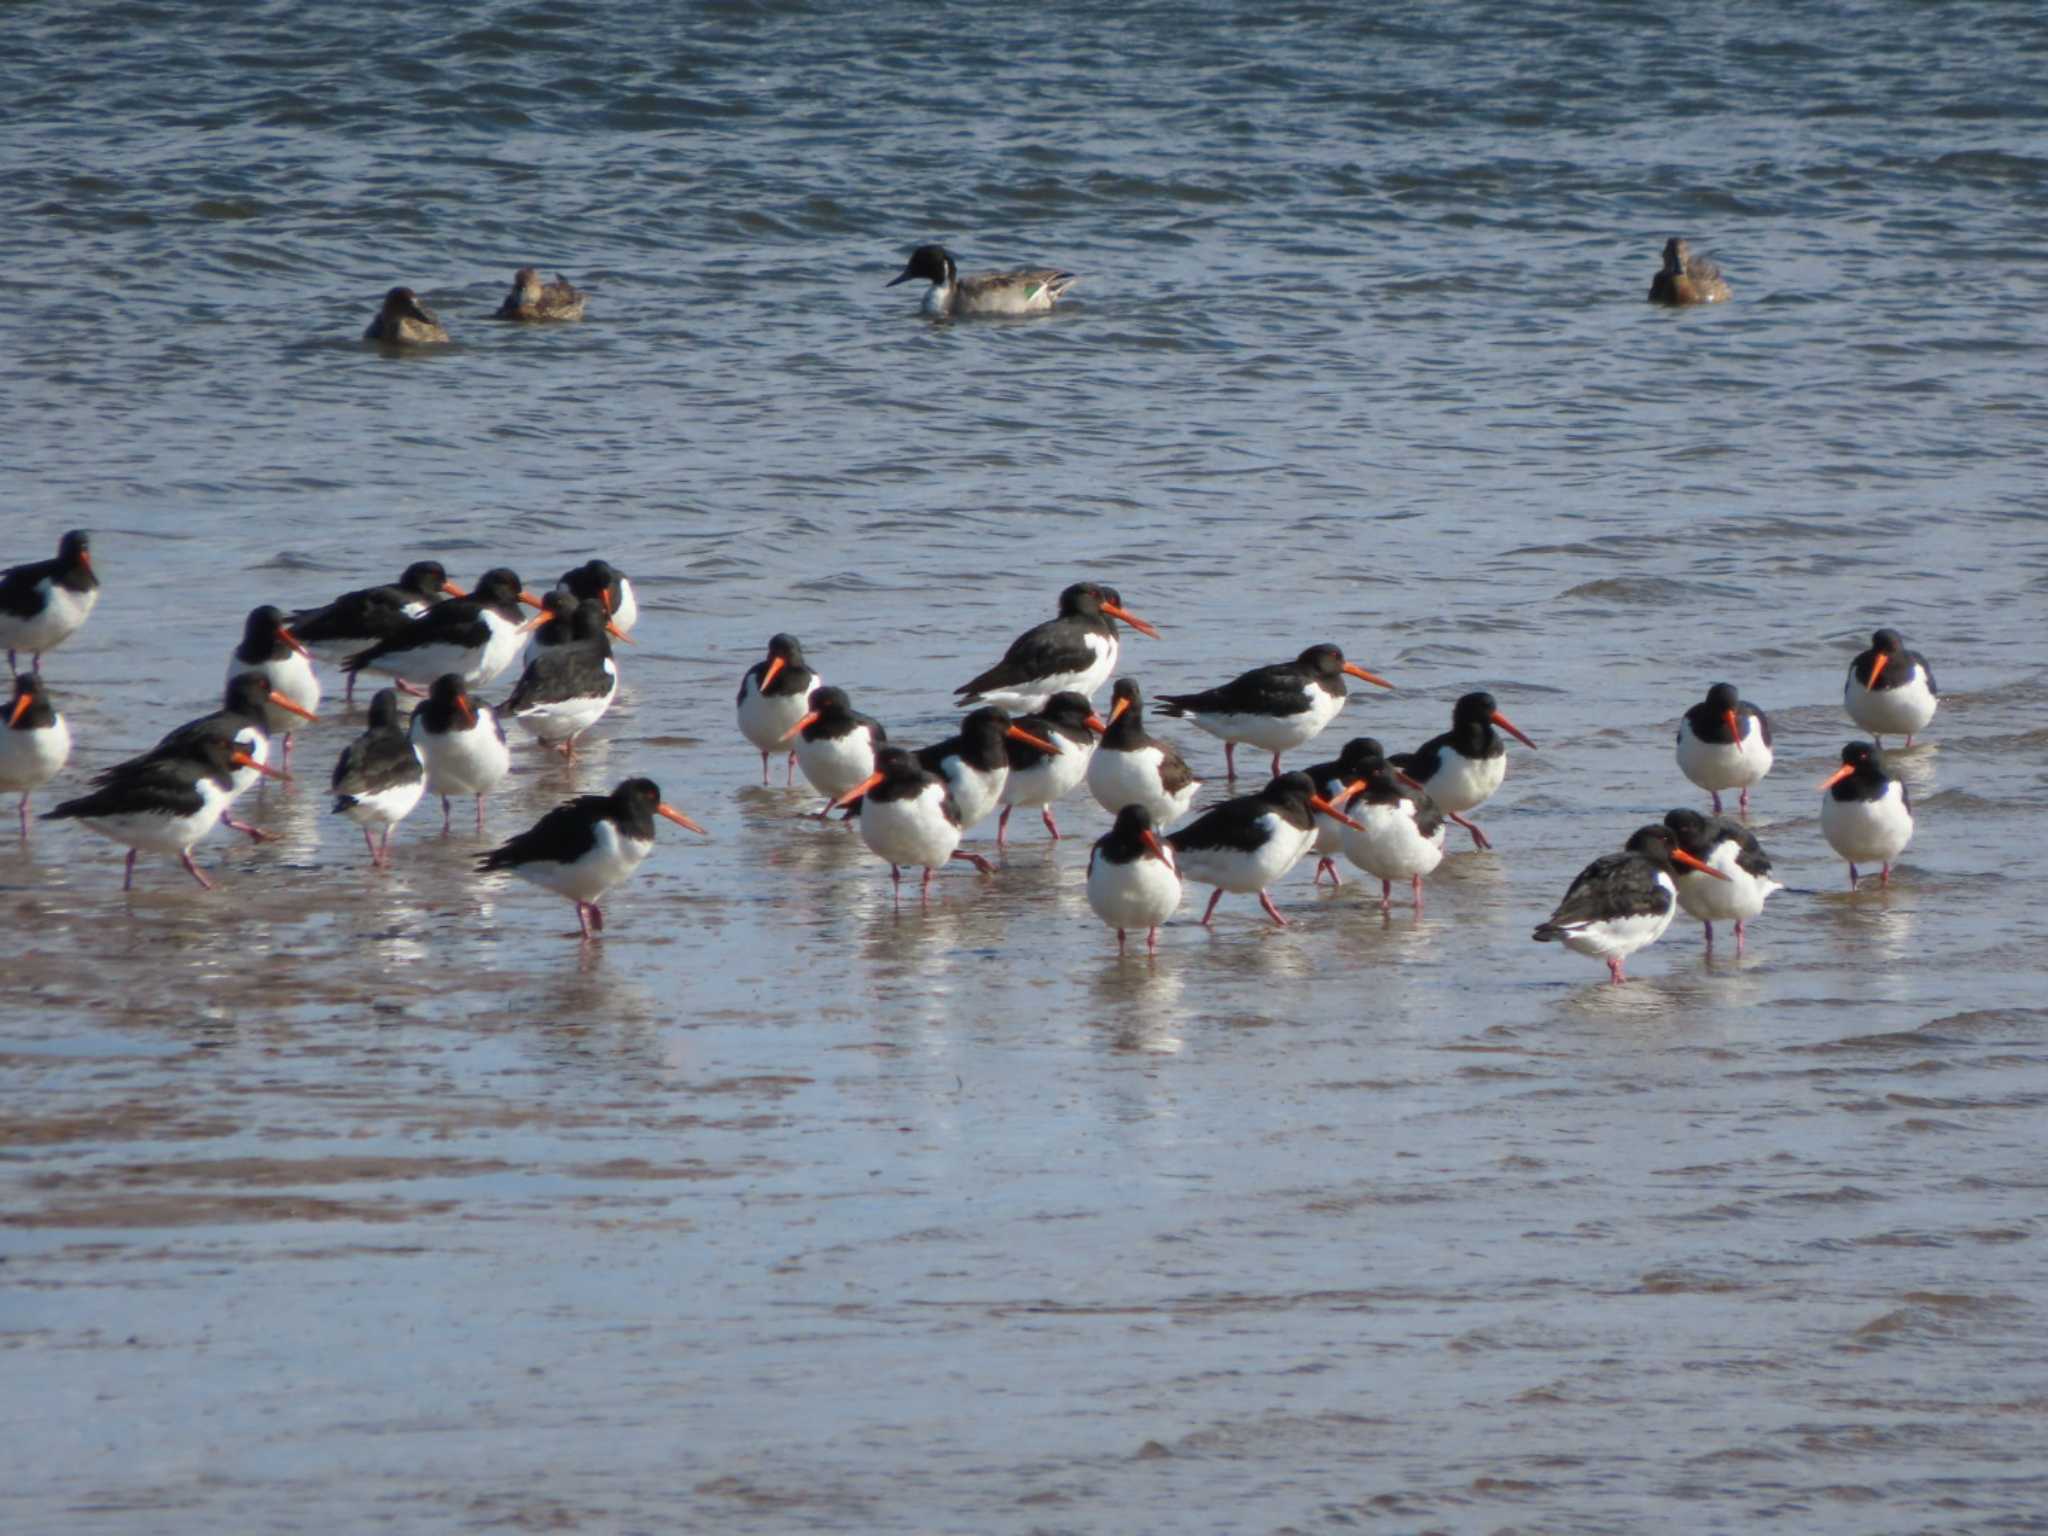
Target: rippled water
column 336, row 1195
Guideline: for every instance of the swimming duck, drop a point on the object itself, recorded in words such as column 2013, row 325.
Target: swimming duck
column 533, row 300
column 404, row 321
column 1027, row 291
column 1686, row 278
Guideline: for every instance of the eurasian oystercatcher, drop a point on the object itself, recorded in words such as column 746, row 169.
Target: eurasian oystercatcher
column 1132, row 881
column 35, row 744
column 1724, row 742
column 379, row 777
column 164, row 804
column 1865, row 813
column 1040, row 778
column 1724, row 844
column 1461, row 769
column 368, row 614
column 774, row 694
column 1890, row 690
column 835, row 743
column 243, row 721
column 1336, row 781
column 584, row 847
column 603, row 583
column 908, row 816
column 1132, row 767
column 1245, row 844
column 1075, row 652
column 269, row 647
column 1400, row 833
column 1622, row 901
column 475, row 637
column 566, row 690
column 1276, row 708
column 43, row 603
column 461, row 744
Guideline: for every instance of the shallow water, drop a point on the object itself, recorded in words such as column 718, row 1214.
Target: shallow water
column 336, row 1193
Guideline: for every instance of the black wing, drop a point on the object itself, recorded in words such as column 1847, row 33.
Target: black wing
column 1232, row 825
column 18, row 588
column 1615, row 885
column 166, row 786
column 1277, row 690
column 376, row 760
column 372, row 613
column 1045, row 650
column 567, row 672
column 564, row 835
column 457, row 623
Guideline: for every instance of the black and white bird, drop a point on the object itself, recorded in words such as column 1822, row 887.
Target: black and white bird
column 584, row 847
column 1042, row 778
column 1026, row 291
column 605, row 584
column 974, row 761
column 1865, row 813
column 1336, row 781
column 165, row 804
column 774, row 694
column 1132, row 880
column 1725, row 844
column 566, row 690
column 835, row 743
column 475, row 637
column 908, row 816
column 1890, row 690
column 1724, row 742
column 43, row 603
column 1133, row 767
column 35, row 744
column 243, row 721
column 1075, row 652
column 461, row 744
column 1244, row 845
column 1276, row 708
column 1400, row 833
column 1461, row 769
column 379, row 777
column 368, row 614
column 1622, row 901
column 269, row 648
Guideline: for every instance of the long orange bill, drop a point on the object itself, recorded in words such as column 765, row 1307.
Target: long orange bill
column 604, row 595
column 1018, row 733
column 1734, row 728
column 291, row 640
column 1508, row 725
column 678, row 818
column 799, row 728
column 1413, row 783
column 775, row 666
column 1096, row 723
column 292, row 706
column 1116, row 710
column 449, row 589
column 618, row 634
column 468, row 714
column 1680, row 856
column 530, row 600
column 1353, row 790
column 1333, row 813
column 1153, row 846
column 85, row 558
column 1118, row 611
column 1836, row 777
column 1359, row 672
column 1877, row 668
column 21, row 704
column 856, row 792
column 243, row 760
column 535, row 622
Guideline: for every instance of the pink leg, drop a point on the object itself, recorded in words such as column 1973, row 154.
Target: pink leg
column 1479, row 838
column 1276, row 765
column 1614, row 970
column 1852, row 877
column 479, row 813
column 1738, row 938
column 1717, row 801
column 1743, row 802
column 1050, row 825
column 1386, row 895
column 413, row 690
column 789, row 773
column 583, row 911
column 1885, row 878
column 970, row 858
column 286, row 765
column 370, row 842
column 384, row 847
column 1271, row 911
column 924, row 886
column 1119, row 941
column 764, row 770
column 1151, row 941
column 128, row 880
column 1003, row 827
column 1330, row 865
column 204, row 883
column 1230, row 761
column 1710, row 936
column 1210, row 910
column 448, row 814
column 24, row 818
column 1415, row 883
column 597, row 917
column 1909, row 743
column 254, row 834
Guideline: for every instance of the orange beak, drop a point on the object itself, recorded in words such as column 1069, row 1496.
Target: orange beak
column 21, row 704
column 291, row 640
column 1508, row 725
column 799, row 728
column 1877, row 668
column 1837, row 776
column 1364, row 676
column 468, row 714
column 618, row 634
column 449, row 589
column 856, row 792
column 535, row 622
column 1118, row 611
column 242, row 759
column 1680, row 856
column 604, row 596
column 775, row 666
column 1154, row 847
column 678, row 818
column 1116, row 710
column 1333, row 813
column 85, row 558
column 292, row 707
column 1734, row 728
column 1096, row 723
column 1353, row 790
column 1018, row 733
column 1412, row 783
column 530, row 600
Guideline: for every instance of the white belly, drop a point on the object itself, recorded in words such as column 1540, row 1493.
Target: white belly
column 1391, row 847
column 1118, row 779
column 1717, row 766
column 912, row 832
column 471, row 762
column 1029, row 699
column 385, row 807
column 1461, row 783
column 560, row 719
column 1141, row 894
column 63, row 611
column 628, row 613
column 1868, row 831
column 834, row 766
column 610, row 860
column 255, row 741
column 1274, row 733
column 1902, row 711
column 30, row 759
column 766, row 718
column 1053, row 778
column 291, row 675
column 158, row 832
column 1737, row 899
column 1619, row 937
column 1235, row 870
column 975, row 793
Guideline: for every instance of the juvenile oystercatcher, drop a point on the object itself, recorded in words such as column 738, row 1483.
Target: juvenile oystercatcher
column 164, row 804
column 1276, row 708
column 835, row 743
column 1075, row 652
column 243, row 721
column 601, row 582
column 1622, row 901
column 43, row 603
column 369, row 614
column 379, row 777
column 1132, row 767
column 1865, row 813
column 908, row 816
column 1724, row 742
column 34, row 744
column 566, row 690
column 1890, row 690
column 1726, row 845
column 1400, row 833
column 1245, row 844
column 774, row 694
column 475, row 637
column 461, row 744
column 1040, row 778
column 1132, row 881
column 1461, row 769
column 584, row 847
column 269, row 648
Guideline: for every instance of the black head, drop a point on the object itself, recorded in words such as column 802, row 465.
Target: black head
column 500, row 587
column 987, row 723
column 1474, row 709
column 428, row 578
column 1722, row 697
column 73, row 547
column 261, row 628
column 1381, row 787
column 246, row 694
column 1692, row 830
column 384, row 709
column 29, row 703
column 1887, row 642
column 1069, row 709
column 449, row 695
column 1655, row 843
column 593, row 581
column 1082, row 600
column 559, row 603
column 403, row 301
column 830, row 701
column 897, row 763
column 1862, row 757
column 1361, row 755
column 1290, row 786
column 929, row 262
column 1127, row 693
column 786, row 649
column 1321, row 660
column 588, row 622
column 1676, row 254
column 637, row 798
column 1132, row 822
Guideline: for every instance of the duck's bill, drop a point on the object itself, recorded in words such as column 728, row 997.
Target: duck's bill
column 901, row 277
